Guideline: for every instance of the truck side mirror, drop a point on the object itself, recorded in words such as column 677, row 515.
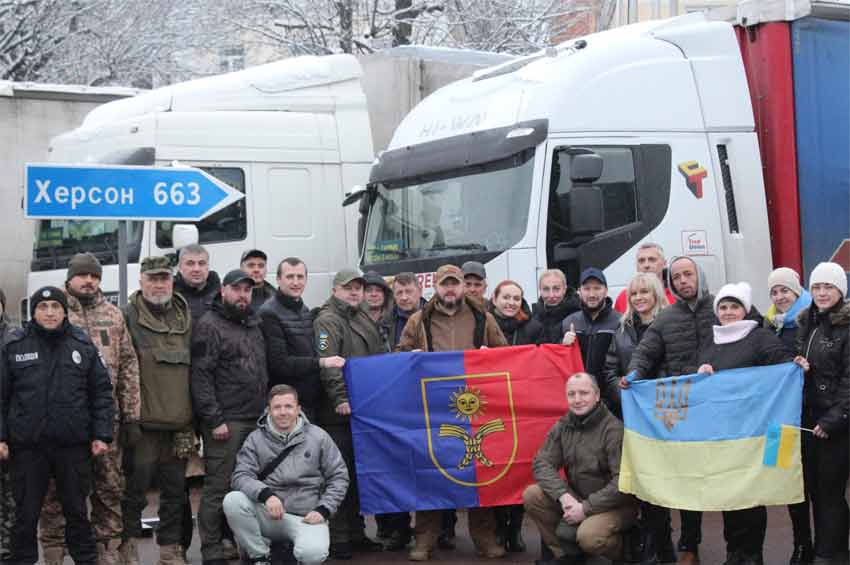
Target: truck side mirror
column 183, row 235
column 586, row 168
column 587, row 210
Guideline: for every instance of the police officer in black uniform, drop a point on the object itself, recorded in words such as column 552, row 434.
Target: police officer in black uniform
column 56, row 414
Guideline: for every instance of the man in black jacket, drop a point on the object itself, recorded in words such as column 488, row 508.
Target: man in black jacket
column 56, row 413
column 254, row 262
column 229, row 383
column 195, row 282
column 556, row 302
column 670, row 347
column 287, row 325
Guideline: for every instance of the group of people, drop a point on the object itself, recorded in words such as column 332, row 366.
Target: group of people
column 100, row 404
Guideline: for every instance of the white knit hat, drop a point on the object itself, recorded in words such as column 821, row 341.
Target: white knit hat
column 831, row 273
column 739, row 291
column 785, row 277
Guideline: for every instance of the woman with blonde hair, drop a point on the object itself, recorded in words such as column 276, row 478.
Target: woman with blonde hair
column 645, row 299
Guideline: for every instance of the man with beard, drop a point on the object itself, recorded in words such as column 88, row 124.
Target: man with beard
column 194, row 281
column 159, row 324
column 229, row 382
column 343, row 329
column 556, row 302
column 670, row 348
column 255, row 263
column 451, row 321
column 56, row 413
column 104, row 324
column 593, row 326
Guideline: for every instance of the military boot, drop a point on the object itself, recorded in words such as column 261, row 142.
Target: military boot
column 171, row 555
column 54, row 555
column 128, row 551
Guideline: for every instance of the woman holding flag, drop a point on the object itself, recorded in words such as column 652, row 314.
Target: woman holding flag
column 740, row 343
column 788, row 299
column 823, row 344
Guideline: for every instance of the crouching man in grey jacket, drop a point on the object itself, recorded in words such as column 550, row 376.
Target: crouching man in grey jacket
column 289, row 478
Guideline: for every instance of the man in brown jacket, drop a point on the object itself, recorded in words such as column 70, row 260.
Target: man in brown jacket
column 585, row 513
column 452, row 322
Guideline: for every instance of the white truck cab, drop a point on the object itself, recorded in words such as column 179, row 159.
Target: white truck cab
column 571, row 157
column 293, row 136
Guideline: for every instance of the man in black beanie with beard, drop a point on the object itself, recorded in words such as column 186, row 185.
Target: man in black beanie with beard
column 56, row 413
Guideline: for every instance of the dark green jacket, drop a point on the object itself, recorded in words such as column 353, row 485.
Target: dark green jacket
column 162, row 342
column 346, row 331
column 589, row 450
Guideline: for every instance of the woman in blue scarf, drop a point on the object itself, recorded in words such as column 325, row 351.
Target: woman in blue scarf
column 789, row 298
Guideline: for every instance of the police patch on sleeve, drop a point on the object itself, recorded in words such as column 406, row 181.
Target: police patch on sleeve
column 77, row 358
column 323, row 341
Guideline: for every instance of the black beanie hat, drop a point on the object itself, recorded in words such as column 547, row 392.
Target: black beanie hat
column 48, row 293
column 84, row 264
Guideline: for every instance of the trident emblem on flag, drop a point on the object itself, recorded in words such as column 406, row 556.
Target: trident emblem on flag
column 671, row 402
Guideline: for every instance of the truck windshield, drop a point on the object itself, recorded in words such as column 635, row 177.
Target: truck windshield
column 472, row 212
column 57, row 241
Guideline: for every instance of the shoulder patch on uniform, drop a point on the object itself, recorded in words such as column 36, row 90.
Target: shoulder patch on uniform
column 323, row 341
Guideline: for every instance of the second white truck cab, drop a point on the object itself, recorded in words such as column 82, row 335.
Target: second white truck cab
column 571, row 157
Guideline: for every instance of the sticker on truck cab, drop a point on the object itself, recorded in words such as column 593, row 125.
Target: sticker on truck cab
column 693, row 173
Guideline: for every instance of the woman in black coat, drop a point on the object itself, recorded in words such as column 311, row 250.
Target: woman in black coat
column 823, row 345
column 514, row 318
column 741, row 343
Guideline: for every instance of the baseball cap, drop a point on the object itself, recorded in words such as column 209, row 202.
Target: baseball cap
column 236, row 276
column 345, row 276
column 592, row 273
column 254, row 253
column 474, row 268
column 155, row 265
column 449, row 272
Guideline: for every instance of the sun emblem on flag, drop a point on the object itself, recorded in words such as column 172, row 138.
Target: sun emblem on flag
column 467, row 403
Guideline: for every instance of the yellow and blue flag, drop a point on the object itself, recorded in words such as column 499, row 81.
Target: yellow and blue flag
column 726, row 441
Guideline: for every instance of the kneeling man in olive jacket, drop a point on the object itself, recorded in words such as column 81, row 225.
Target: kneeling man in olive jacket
column 586, row 513
column 289, row 478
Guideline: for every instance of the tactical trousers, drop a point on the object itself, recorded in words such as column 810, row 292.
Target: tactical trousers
column 219, row 460
column 600, row 534
column 7, row 511
column 828, row 465
column 346, row 526
column 32, row 469
column 153, row 458
column 481, row 521
column 107, row 490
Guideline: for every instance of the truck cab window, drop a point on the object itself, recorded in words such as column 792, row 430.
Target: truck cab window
column 228, row 224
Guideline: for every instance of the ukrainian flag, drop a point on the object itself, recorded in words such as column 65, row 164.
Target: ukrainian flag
column 726, row 441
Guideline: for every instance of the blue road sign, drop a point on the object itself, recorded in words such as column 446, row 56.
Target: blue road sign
column 123, row 193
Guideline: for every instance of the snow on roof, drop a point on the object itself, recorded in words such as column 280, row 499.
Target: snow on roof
column 449, row 55
column 38, row 90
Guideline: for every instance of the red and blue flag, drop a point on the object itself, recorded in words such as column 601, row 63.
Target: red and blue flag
column 454, row 429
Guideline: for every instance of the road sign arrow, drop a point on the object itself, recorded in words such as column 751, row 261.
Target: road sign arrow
column 124, row 193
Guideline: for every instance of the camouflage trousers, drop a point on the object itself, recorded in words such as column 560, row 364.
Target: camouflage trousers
column 107, row 490
column 7, row 511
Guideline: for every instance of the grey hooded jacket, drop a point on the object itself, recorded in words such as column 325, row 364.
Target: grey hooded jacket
column 312, row 477
column 671, row 345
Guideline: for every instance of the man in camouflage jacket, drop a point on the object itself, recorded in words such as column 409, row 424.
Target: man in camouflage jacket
column 104, row 324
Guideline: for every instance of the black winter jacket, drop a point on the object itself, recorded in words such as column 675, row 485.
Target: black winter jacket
column 55, row 389
column 292, row 359
column 229, row 370
column 525, row 332
column 758, row 348
column 199, row 300
column 594, row 335
column 552, row 316
column 617, row 360
column 824, row 341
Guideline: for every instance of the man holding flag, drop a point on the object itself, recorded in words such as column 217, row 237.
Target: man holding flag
column 452, row 322
column 584, row 514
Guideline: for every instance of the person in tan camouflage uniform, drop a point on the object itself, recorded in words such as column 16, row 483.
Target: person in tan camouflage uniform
column 104, row 323
column 7, row 501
